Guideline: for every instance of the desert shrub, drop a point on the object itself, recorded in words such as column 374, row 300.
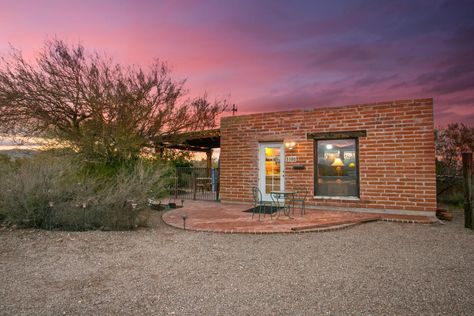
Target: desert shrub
column 60, row 192
column 450, row 190
column 4, row 162
column 28, row 188
column 4, row 159
column 452, row 197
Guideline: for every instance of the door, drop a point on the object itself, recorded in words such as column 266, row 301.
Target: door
column 271, row 167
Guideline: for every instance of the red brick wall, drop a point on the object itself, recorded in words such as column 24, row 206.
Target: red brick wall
column 396, row 159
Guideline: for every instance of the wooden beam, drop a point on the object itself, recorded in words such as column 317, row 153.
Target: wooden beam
column 195, row 135
column 209, row 162
column 213, row 142
column 186, row 147
column 337, row 135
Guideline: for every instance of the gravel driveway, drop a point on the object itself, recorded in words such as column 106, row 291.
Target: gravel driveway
column 374, row 268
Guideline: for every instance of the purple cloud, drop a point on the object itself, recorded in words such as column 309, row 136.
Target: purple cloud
column 273, row 55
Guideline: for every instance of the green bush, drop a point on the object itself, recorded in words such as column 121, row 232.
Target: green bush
column 59, row 192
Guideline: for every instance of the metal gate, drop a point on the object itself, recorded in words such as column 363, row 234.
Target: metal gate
column 196, row 183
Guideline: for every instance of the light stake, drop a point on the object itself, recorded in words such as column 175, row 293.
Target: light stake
column 184, row 217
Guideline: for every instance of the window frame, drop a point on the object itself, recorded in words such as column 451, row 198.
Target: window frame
column 316, row 171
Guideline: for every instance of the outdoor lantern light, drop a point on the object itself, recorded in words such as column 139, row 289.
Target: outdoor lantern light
column 290, row 145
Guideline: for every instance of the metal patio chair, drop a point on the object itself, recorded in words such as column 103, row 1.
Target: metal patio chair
column 278, row 204
column 258, row 203
column 300, row 199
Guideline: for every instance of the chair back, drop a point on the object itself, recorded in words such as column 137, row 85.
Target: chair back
column 257, row 195
column 301, row 193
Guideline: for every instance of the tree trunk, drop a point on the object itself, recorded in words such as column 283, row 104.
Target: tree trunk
column 467, row 175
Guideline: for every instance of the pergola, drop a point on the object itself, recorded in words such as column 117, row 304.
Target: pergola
column 198, row 141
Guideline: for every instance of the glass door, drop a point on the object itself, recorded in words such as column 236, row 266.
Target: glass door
column 271, row 169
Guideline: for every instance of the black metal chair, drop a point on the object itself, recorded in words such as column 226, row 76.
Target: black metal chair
column 258, row 203
column 279, row 205
column 300, row 199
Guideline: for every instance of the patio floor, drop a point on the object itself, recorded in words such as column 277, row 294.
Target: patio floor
column 231, row 218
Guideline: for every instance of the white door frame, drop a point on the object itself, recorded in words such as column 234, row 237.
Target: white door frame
column 261, row 167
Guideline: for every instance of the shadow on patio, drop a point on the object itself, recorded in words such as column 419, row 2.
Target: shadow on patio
column 232, row 218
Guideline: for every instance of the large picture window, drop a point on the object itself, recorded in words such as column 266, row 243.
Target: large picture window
column 337, row 168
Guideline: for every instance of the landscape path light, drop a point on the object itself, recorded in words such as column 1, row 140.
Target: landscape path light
column 184, row 216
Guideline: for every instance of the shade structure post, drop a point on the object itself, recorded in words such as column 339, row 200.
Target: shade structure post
column 209, row 162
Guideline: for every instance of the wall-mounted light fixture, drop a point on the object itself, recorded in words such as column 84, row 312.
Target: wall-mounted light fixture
column 290, row 144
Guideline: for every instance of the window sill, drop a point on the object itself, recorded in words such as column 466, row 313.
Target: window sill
column 345, row 198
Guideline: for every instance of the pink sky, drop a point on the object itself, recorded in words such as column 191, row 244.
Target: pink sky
column 269, row 55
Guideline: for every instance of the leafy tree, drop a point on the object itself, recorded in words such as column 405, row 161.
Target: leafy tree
column 106, row 111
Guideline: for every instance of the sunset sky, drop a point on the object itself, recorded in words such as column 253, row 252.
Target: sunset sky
column 275, row 55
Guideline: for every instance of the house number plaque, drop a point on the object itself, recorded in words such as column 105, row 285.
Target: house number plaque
column 290, row 159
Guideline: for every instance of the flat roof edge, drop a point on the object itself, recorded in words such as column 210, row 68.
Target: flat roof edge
column 336, row 107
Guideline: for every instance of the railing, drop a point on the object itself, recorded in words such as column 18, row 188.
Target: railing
column 196, row 183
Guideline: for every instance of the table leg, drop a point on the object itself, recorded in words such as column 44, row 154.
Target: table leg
column 288, row 207
column 291, row 205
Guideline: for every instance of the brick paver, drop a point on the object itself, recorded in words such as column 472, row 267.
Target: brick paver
column 231, row 218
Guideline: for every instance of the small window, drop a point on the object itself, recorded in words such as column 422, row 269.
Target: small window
column 337, row 168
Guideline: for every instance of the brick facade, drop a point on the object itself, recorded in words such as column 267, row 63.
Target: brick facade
column 396, row 158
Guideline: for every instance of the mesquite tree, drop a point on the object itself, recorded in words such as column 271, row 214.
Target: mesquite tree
column 104, row 110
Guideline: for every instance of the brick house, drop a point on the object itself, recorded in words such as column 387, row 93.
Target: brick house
column 377, row 157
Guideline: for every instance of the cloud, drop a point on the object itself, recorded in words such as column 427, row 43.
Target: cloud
column 453, row 79
column 368, row 80
column 272, row 55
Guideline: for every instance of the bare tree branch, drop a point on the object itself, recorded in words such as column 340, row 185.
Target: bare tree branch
column 100, row 107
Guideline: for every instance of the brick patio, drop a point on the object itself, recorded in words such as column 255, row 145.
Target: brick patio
column 231, row 218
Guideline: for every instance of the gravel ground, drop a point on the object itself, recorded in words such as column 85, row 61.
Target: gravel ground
column 375, row 268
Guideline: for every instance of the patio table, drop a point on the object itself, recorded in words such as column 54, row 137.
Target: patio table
column 287, row 208
column 204, row 183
